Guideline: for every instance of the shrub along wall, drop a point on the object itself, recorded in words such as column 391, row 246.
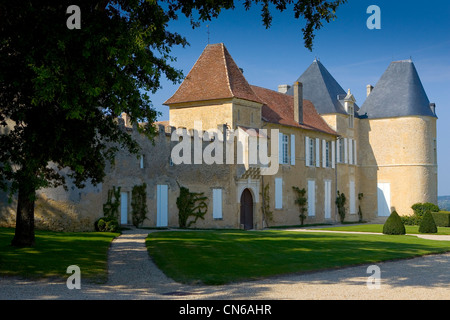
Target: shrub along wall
column 442, row 218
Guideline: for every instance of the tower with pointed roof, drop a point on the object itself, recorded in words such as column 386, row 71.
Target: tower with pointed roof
column 386, row 150
column 398, row 139
column 215, row 91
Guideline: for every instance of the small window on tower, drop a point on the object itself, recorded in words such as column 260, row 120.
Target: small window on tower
column 351, row 113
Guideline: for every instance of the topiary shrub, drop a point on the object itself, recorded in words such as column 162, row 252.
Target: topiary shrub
column 106, row 224
column 427, row 225
column 394, row 225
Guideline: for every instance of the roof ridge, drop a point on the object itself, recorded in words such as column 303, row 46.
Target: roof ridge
column 227, row 71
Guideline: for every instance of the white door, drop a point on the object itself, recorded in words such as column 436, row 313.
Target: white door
column 123, row 208
column 384, row 199
column 327, row 199
column 161, row 205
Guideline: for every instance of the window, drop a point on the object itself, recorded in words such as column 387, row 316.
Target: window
column 435, row 151
column 354, row 152
column 283, row 149
column 340, row 150
column 326, row 154
column 217, row 203
column 278, row 193
column 312, row 152
column 351, row 114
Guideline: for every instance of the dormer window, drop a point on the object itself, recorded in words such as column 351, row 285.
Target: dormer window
column 351, row 113
column 349, row 102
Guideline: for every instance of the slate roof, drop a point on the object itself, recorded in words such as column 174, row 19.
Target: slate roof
column 320, row 87
column 398, row 93
column 215, row 75
column 278, row 108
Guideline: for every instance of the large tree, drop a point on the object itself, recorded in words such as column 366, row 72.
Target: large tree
column 62, row 89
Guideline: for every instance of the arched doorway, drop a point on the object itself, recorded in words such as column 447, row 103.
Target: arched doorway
column 247, row 209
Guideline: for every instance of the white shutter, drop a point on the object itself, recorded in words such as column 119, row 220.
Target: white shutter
column 141, row 162
column 161, row 205
column 338, row 153
column 280, row 148
column 352, row 197
column 317, row 152
column 354, row 152
column 278, row 193
column 345, row 150
column 350, row 151
column 217, row 203
column 307, row 159
column 327, row 190
column 292, row 149
column 311, row 198
column 324, row 154
column 333, row 152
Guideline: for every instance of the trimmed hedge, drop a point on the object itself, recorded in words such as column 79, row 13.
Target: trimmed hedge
column 106, row 224
column 394, row 225
column 427, row 225
column 421, row 208
column 442, row 218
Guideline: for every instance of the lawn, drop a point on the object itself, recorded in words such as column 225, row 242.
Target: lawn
column 379, row 228
column 219, row 257
column 54, row 252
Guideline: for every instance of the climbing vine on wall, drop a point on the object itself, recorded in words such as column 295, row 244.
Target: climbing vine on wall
column 340, row 203
column 139, row 204
column 111, row 207
column 190, row 204
column 265, row 207
column 301, row 201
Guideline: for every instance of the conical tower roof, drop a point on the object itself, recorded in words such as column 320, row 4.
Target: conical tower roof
column 215, row 75
column 322, row 89
column 398, row 93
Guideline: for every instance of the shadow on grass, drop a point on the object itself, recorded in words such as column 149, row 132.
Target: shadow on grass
column 54, row 252
column 227, row 257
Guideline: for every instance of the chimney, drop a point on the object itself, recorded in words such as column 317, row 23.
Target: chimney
column 369, row 89
column 283, row 88
column 433, row 108
column 298, row 102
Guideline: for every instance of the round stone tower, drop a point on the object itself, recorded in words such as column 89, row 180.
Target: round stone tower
column 398, row 143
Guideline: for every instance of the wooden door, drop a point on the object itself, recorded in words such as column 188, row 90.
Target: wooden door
column 247, row 209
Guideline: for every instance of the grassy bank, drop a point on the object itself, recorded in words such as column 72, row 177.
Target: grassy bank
column 54, row 252
column 219, row 257
column 379, row 229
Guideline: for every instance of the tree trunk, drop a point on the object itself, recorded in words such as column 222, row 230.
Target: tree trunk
column 24, row 235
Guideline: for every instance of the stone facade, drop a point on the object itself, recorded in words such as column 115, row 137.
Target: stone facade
column 391, row 161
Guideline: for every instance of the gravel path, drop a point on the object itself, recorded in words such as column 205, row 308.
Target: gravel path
column 132, row 275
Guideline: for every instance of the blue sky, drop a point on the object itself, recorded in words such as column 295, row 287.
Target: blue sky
column 353, row 54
